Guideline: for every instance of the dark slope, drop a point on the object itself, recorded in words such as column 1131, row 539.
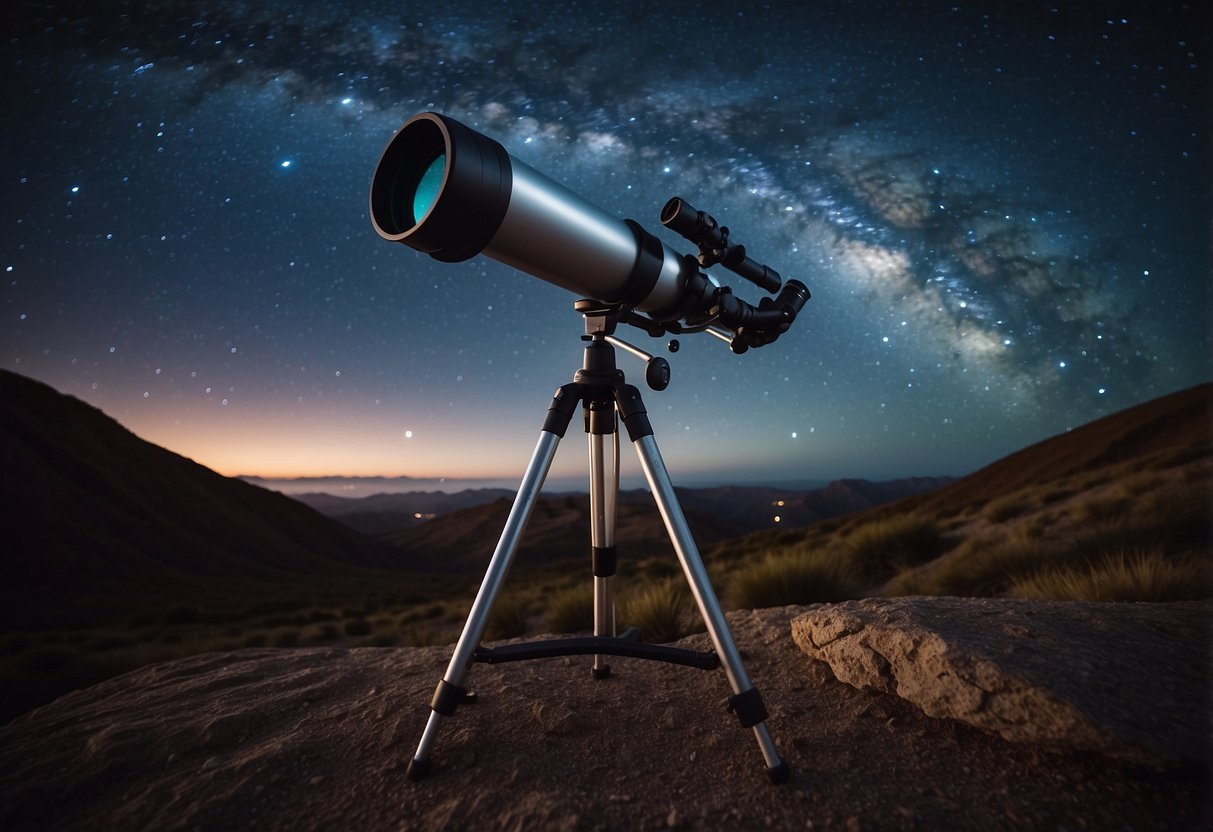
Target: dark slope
column 100, row 520
column 1181, row 423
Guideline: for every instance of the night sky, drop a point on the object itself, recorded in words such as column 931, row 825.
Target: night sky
column 1002, row 211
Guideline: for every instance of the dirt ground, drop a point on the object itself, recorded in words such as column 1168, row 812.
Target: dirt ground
column 319, row 739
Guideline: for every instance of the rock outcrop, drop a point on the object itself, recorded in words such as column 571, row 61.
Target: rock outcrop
column 1126, row 680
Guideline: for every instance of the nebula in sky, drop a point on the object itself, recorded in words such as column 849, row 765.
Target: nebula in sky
column 1002, row 213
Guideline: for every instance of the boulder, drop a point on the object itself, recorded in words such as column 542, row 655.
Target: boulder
column 1127, row 680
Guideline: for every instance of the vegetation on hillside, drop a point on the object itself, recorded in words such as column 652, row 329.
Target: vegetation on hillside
column 1134, row 530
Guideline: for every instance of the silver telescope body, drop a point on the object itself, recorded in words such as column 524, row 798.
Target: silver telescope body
column 445, row 189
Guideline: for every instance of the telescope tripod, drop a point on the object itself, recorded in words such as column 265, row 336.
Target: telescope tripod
column 599, row 387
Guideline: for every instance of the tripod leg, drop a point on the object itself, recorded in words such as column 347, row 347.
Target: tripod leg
column 745, row 700
column 449, row 692
column 604, row 493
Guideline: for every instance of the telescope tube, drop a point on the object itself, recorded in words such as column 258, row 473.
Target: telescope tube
column 444, row 189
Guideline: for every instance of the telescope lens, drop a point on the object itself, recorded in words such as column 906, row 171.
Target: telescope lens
column 427, row 187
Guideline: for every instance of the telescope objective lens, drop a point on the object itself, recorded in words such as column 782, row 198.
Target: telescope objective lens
column 427, row 188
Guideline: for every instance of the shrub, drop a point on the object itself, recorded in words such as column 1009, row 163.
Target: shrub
column 1142, row 575
column 325, row 632
column 909, row 582
column 1004, row 508
column 879, row 547
column 182, row 615
column 661, row 612
column 13, row 645
column 658, row 568
column 983, row 566
column 1102, row 509
column 47, row 660
column 421, row 614
column 509, row 618
column 801, row 577
column 357, row 627
column 572, row 610
column 285, row 638
column 423, row 634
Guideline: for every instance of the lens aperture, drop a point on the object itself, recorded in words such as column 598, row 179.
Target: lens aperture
column 427, row 188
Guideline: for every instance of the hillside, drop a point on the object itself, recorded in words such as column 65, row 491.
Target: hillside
column 1180, row 424
column 120, row 554
column 1118, row 509
column 102, row 523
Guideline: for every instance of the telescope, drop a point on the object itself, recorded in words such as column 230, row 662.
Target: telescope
column 451, row 192
column 447, row 190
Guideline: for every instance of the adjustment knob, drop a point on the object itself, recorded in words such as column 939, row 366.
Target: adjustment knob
column 657, row 373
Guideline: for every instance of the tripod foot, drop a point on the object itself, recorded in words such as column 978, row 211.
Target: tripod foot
column 417, row 769
column 779, row 774
column 601, row 672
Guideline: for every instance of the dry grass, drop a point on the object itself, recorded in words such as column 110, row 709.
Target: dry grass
column 982, row 566
column 1143, row 575
column 1004, row 508
column 509, row 619
column 572, row 610
column 662, row 612
column 886, row 545
column 798, row 577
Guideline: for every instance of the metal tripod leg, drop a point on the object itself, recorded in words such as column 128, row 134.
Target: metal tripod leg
column 450, row 691
column 604, row 493
column 745, row 700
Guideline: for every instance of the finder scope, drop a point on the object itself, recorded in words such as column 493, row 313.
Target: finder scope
column 444, row 189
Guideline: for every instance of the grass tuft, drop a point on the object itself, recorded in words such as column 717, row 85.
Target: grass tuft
column 509, row 618
column 662, row 612
column 357, row 627
column 572, row 610
column 883, row 546
column 802, row 577
column 1141, row 575
column 1004, row 508
column 985, row 566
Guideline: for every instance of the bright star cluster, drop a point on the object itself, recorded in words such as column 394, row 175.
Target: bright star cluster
column 1002, row 213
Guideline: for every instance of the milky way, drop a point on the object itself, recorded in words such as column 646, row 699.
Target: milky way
column 1003, row 216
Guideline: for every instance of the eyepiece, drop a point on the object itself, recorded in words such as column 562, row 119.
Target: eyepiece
column 681, row 217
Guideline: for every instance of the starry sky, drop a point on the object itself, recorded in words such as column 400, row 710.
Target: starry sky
column 1002, row 211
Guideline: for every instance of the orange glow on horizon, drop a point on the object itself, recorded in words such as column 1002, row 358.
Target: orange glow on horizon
column 274, row 447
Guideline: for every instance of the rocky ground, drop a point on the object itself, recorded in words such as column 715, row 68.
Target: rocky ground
column 319, row 739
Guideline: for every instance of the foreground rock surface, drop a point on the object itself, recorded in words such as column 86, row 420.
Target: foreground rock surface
column 319, row 738
column 1126, row 680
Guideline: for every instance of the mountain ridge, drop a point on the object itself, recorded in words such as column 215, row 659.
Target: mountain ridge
column 140, row 520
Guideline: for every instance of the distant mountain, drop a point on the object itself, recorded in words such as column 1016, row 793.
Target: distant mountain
column 729, row 510
column 383, row 513
column 101, row 523
column 749, row 509
column 560, row 525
